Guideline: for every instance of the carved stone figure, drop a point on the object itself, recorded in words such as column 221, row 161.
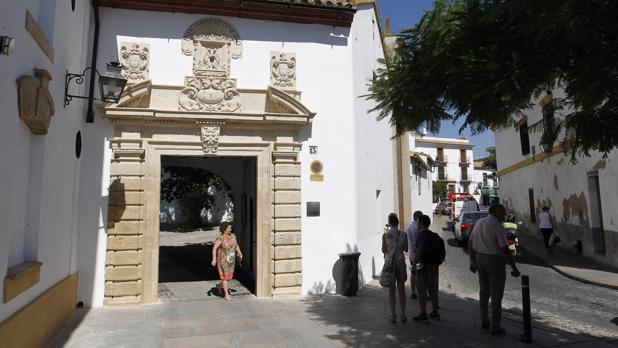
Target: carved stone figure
column 283, row 70
column 209, row 94
column 210, row 139
column 212, row 43
column 36, row 105
column 134, row 58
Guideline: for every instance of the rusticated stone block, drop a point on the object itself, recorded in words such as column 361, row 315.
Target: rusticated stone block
column 122, row 300
column 119, row 198
column 287, row 292
column 125, row 257
column 287, row 183
column 124, row 242
column 288, row 238
column 133, row 212
column 287, row 197
column 288, row 266
column 288, row 224
column 123, row 273
column 126, row 169
column 126, row 228
column 288, row 279
column 287, row 210
column 124, row 183
column 123, row 288
column 287, row 170
column 288, row 252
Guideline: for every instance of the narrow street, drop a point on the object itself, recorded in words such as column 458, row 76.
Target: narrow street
column 555, row 300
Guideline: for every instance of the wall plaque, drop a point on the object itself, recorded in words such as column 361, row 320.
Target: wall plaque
column 313, row 208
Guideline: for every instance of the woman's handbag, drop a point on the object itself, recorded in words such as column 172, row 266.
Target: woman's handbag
column 387, row 277
column 554, row 239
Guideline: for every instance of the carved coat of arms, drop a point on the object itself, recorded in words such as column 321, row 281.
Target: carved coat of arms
column 134, row 58
column 283, row 70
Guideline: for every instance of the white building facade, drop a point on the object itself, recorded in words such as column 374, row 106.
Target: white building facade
column 275, row 93
column 581, row 196
column 453, row 160
column 422, row 167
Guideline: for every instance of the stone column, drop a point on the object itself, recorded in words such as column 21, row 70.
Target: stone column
column 286, row 233
column 125, row 225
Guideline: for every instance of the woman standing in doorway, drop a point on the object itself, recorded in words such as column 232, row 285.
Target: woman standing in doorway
column 546, row 225
column 224, row 256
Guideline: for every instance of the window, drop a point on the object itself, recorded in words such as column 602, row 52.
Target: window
column 440, row 154
column 484, row 179
column 462, row 156
column 466, row 188
column 441, row 175
column 525, row 139
column 464, row 174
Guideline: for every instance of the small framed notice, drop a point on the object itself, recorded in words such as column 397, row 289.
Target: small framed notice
column 313, row 208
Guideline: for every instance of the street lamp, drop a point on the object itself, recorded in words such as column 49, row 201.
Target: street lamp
column 111, row 83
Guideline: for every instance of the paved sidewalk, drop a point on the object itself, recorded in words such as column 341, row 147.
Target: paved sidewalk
column 323, row 321
column 577, row 267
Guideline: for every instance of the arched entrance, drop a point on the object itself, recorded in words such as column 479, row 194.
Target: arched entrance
column 147, row 128
column 197, row 194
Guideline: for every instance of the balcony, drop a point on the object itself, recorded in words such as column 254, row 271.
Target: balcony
column 444, row 178
column 441, row 161
column 465, row 178
column 465, row 161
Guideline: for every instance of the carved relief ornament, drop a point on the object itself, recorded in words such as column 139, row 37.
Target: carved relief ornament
column 283, row 70
column 134, row 58
column 212, row 43
column 36, row 105
column 210, row 139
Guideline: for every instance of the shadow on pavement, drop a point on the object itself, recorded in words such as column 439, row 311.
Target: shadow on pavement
column 361, row 321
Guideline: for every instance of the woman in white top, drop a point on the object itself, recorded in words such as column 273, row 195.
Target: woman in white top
column 394, row 244
column 546, row 225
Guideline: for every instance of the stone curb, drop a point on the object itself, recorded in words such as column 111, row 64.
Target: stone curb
column 568, row 275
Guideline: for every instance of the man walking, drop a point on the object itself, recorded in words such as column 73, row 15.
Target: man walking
column 426, row 269
column 489, row 253
column 412, row 233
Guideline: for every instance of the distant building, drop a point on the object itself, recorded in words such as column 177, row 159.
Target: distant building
column 485, row 183
column 421, row 179
column 581, row 197
column 453, row 160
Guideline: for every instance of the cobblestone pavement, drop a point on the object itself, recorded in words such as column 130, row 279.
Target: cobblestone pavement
column 360, row 321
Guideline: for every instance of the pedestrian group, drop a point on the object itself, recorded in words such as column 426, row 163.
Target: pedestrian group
column 489, row 255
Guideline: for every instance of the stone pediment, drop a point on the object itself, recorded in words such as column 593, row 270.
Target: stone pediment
column 144, row 103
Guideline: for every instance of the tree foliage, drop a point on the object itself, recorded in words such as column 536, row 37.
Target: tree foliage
column 440, row 189
column 485, row 61
column 194, row 190
column 490, row 162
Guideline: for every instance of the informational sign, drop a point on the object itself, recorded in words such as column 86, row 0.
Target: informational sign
column 313, row 208
column 316, row 169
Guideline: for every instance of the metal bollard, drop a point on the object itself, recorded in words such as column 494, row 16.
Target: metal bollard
column 526, row 337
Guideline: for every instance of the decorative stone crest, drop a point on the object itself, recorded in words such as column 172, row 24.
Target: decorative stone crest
column 210, row 139
column 212, row 43
column 209, row 94
column 135, row 58
column 283, row 70
column 36, row 105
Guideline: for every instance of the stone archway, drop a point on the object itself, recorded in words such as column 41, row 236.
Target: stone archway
column 143, row 133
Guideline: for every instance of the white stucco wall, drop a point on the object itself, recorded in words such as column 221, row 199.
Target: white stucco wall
column 39, row 174
column 560, row 185
column 421, row 185
column 333, row 67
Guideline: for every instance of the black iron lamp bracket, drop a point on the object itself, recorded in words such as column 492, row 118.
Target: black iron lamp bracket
column 79, row 79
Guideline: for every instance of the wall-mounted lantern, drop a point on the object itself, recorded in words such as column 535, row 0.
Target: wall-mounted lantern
column 111, row 83
column 7, row 45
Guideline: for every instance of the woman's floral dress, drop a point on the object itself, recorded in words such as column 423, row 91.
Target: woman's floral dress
column 226, row 256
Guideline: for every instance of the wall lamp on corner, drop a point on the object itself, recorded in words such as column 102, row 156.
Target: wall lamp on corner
column 111, row 83
column 7, row 45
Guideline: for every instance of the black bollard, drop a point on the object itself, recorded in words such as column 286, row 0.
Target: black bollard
column 526, row 337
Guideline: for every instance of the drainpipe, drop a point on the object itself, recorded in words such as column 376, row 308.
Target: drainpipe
column 95, row 49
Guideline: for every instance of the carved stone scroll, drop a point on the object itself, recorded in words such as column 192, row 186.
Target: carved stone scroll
column 210, row 139
column 283, row 70
column 135, row 60
column 36, row 105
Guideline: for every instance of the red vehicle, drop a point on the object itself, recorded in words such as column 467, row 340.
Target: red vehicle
column 459, row 196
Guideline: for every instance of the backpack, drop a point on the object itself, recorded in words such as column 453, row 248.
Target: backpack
column 436, row 252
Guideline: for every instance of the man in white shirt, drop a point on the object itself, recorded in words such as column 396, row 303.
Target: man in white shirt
column 412, row 234
column 489, row 253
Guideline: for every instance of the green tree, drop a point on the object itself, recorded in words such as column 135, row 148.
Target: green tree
column 483, row 61
column 490, row 162
column 191, row 187
column 440, row 189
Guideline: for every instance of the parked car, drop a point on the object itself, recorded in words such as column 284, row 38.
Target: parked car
column 463, row 206
column 463, row 227
column 439, row 208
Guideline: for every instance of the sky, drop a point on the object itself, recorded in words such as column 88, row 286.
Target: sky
column 405, row 14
